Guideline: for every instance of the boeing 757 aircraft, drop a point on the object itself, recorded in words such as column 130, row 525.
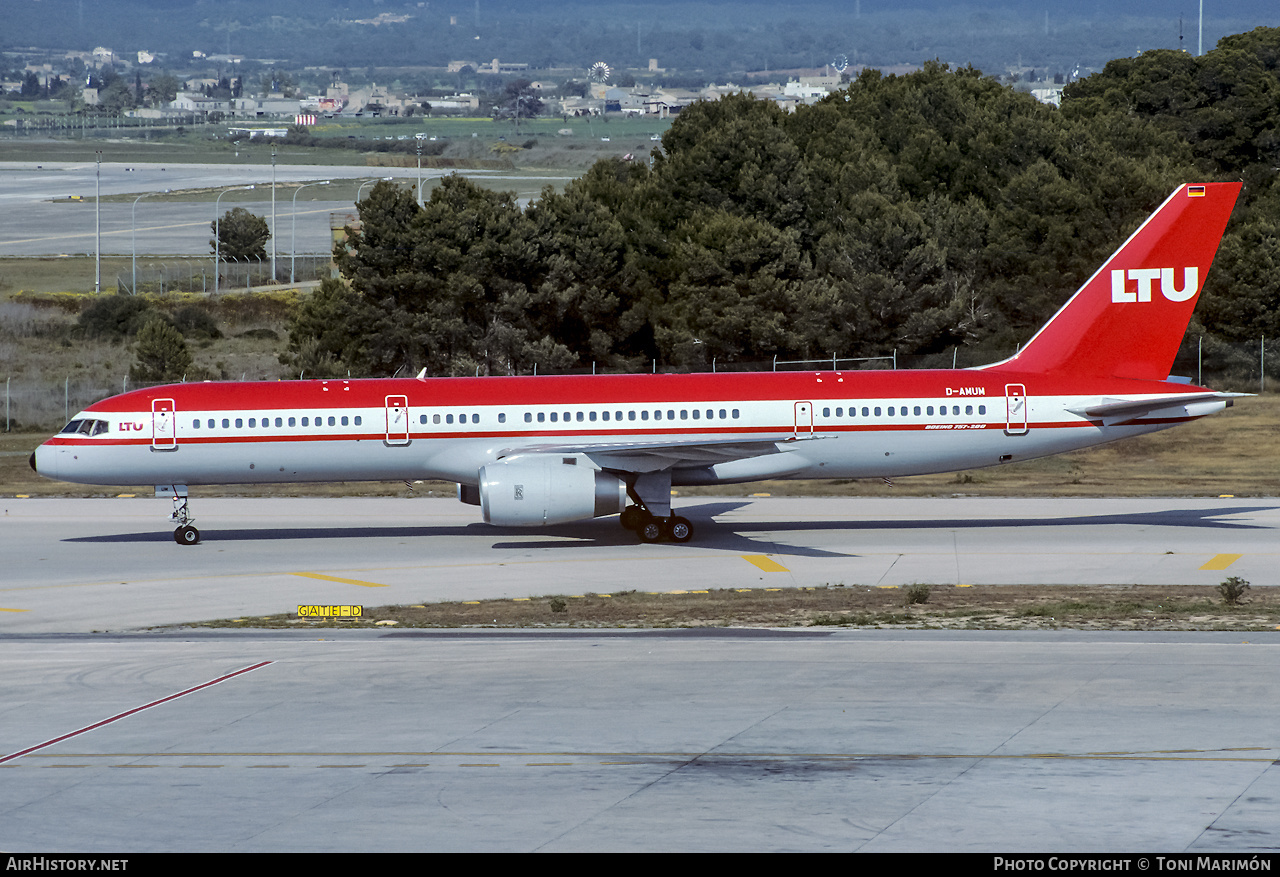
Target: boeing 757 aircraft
column 536, row 451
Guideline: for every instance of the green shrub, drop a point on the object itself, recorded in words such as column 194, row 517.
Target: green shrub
column 116, row 317
column 1232, row 590
column 917, row 593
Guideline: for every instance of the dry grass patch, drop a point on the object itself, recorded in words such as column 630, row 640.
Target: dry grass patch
column 980, row 607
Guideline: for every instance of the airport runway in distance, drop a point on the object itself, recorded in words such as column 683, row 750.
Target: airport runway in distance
column 803, row 739
column 36, row 220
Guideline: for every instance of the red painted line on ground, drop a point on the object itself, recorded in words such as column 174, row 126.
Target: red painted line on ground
column 137, row 709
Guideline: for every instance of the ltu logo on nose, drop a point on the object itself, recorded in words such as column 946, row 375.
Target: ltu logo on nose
column 1144, row 277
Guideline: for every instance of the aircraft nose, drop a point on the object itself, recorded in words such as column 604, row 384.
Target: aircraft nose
column 44, row 462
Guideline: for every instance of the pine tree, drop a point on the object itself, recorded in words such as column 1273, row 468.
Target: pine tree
column 162, row 354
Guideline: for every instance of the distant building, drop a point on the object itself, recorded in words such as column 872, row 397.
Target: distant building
column 1049, row 94
column 188, row 102
column 255, row 133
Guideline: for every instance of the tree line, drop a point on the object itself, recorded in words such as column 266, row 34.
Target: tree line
column 910, row 213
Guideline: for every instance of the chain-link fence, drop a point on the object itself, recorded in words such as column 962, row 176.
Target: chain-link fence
column 40, row 406
column 196, row 275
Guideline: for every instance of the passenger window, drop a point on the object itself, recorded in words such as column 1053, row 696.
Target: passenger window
column 657, row 415
column 735, row 414
column 722, row 414
column 890, row 410
column 866, row 412
column 344, row 420
column 448, row 418
column 604, row 416
column 239, row 423
column 554, row 417
column 196, row 423
column 580, row 417
column 968, row 409
column 422, row 418
column 292, row 422
column 528, row 417
column 982, row 409
column 435, row 418
column 695, row 414
column 955, row 409
column 644, row 415
column 331, row 420
column 592, row 418
column 917, row 411
column 542, row 416
column 877, row 411
column 631, row 415
column 671, row 415
column 279, row 422
column 684, row 414
column 502, row 417
column 253, row 422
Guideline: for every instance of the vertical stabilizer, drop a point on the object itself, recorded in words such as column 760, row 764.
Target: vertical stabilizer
column 1129, row 318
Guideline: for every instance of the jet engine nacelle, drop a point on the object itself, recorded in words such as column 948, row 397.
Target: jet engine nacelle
column 536, row 492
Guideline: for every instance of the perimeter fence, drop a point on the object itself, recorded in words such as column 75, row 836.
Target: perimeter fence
column 156, row 277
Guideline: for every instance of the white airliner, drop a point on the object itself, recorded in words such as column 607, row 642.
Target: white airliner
column 535, row 451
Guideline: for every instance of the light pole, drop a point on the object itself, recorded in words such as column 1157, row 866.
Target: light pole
column 217, row 237
column 133, row 232
column 97, row 225
column 273, row 213
column 370, row 182
column 293, row 231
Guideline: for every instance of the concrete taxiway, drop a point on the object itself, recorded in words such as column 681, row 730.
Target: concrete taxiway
column 75, row 564
column 623, row 740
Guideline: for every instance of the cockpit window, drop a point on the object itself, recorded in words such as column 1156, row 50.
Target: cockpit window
column 86, row 426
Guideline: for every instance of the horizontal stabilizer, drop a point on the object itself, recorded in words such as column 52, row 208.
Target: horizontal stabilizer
column 1115, row 411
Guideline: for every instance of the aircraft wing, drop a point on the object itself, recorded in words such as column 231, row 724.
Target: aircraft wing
column 656, row 456
column 1114, row 411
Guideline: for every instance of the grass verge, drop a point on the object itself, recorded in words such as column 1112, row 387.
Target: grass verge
column 978, row 607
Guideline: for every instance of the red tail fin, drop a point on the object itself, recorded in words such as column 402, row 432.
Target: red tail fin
column 1129, row 318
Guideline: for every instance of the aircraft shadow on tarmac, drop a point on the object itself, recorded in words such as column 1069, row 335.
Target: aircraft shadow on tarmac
column 733, row 536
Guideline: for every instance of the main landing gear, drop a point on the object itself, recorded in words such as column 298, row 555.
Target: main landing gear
column 651, row 528
column 651, row 517
column 186, row 534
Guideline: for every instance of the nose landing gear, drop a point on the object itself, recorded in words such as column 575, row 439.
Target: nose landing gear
column 185, row 534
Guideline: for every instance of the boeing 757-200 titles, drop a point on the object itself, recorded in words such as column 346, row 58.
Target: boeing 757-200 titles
column 535, row 451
